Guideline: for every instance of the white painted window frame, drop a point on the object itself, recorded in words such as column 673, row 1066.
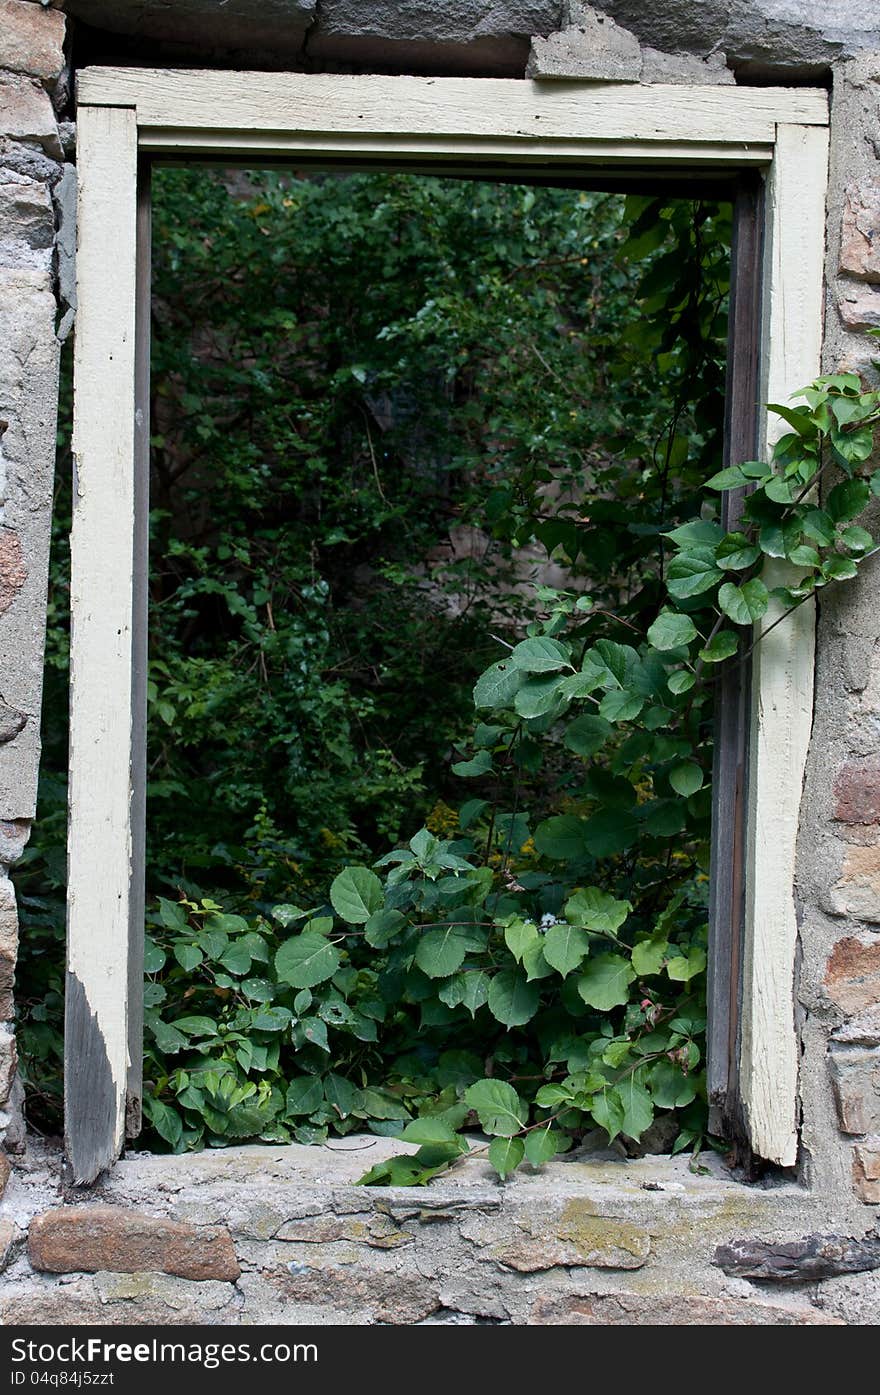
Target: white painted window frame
column 496, row 125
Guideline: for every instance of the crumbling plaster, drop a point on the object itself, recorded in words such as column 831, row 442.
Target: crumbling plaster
column 286, row 1271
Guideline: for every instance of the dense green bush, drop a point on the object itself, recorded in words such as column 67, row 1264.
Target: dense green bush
column 344, row 368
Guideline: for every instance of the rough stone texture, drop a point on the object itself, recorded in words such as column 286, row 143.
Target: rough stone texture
column 860, row 233
column 85, row 1239
column 852, row 978
column 31, row 39
column 861, row 1030
column 10, row 1239
column 855, row 1072
column 682, row 1310
column 685, row 67
column 26, row 114
column 592, row 47
column 5, row 1171
column 866, row 1171
column 799, row 1261
column 859, row 306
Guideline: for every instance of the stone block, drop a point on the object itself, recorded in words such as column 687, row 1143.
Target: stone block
column 26, row 114
column 861, row 1030
column 8, row 1064
column 14, row 834
column 857, row 893
column 27, row 222
column 866, row 1171
column 348, row 1290
column 5, row 1172
column 10, row 1236
column 860, row 233
column 807, row 1260
column 857, row 792
column 859, row 306
column 31, row 39
column 593, row 47
column 658, row 66
column 673, row 1310
column 855, row 1075
column 13, row 569
column 86, row 1239
column 852, row 974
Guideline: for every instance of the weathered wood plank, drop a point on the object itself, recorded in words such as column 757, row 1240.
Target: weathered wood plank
column 782, row 686
column 99, row 840
column 509, row 108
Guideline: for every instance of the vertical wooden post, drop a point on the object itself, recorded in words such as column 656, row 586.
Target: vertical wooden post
column 101, row 868
column 742, row 413
column 782, row 669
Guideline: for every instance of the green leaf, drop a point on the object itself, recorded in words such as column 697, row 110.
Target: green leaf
column 165, row 1120
column 341, row 1095
column 839, row 568
column 561, row 837
column 154, row 956
column 533, row 961
column 498, row 1107
column 605, row 982
column 684, row 967
column 648, row 955
column 538, row 696
column 512, row 1000
column 189, row 957
column 722, row 646
column 744, row 604
column 543, row 1144
column 541, row 655
column 587, row 734
column 670, row 1087
column 306, row 960
column 236, row 959
column 480, row 764
column 382, row 928
column 315, row 1031
column 428, row 1129
column 469, row 989
column 305, row 1094
column 847, row 499
column 735, row 552
column 441, row 951
column 671, row 630
column 597, row 910
column 518, row 935
column 692, row 573
column 355, row 895
column 638, row 1107
column 610, row 832
column 505, row 1155
column 498, row 686
column 565, row 946
column 686, row 778
column 620, row 706
column 196, row 1026
column 856, row 539
column 681, row 681
column 798, row 418
column 608, row 1112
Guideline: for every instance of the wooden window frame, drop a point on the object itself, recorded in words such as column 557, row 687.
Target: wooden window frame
column 768, row 144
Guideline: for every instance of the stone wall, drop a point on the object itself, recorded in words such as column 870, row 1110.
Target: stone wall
column 598, row 1241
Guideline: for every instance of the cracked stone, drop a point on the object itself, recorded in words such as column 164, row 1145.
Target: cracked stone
column 26, row 114
column 866, row 1171
column 855, row 1075
column 592, row 47
column 860, row 234
column 679, row 1310
column 852, row 975
column 85, row 1239
column 13, row 572
column 31, row 39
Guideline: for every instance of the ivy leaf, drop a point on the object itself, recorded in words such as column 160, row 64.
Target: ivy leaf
column 341, row 1095
column 565, row 946
column 857, row 539
column 620, row 706
column 355, row 895
column 744, row 604
column 561, row 837
column 670, row 1087
column 469, row 990
column 306, row 960
column 671, row 630
column 543, row 1144
column 611, row 832
column 735, row 552
column 538, row 696
column 648, row 955
column 692, row 573
column 684, row 967
column 480, row 764
column 541, row 655
column 441, row 951
column 428, row 1128
column 512, row 1000
column 686, row 778
column 534, row 963
column 587, row 734
column 519, row 935
column 382, row 927
column 498, row 1107
column 847, row 499
column 597, row 910
column 608, row 1112
column 165, row 1120
column 638, row 1107
column 505, row 1155
column 605, row 982
column 305, row 1094
column 721, row 646
column 838, row 568
column 189, row 957
column 681, row 681
column 498, row 686
column 154, row 957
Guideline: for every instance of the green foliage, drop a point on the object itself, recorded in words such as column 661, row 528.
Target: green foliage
column 529, row 963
